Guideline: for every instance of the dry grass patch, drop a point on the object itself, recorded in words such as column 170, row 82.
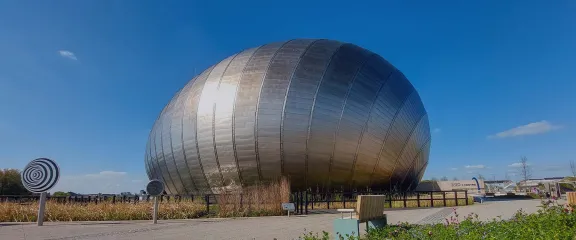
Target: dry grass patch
column 16, row 212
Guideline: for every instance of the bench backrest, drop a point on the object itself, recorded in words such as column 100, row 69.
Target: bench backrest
column 369, row 207
column 571, row 197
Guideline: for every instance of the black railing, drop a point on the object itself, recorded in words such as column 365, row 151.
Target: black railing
column 305, row 201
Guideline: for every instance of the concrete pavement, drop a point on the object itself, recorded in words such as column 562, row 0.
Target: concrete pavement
column 280, row 227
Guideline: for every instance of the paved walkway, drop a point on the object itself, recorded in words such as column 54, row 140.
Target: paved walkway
column 280, row 227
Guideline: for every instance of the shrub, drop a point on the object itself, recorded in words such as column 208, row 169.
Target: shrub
column 553, row 221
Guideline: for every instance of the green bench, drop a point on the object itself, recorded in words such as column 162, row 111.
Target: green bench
column 369, row 210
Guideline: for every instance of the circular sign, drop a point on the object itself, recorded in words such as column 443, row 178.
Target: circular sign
column 40, row 175
column 155, row 187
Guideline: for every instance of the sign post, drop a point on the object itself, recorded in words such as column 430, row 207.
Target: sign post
column 288, row 207
column 155, row 188
column 41, row 206
column 39, row 176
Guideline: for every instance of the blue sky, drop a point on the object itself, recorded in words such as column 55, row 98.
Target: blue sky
column 83, row 81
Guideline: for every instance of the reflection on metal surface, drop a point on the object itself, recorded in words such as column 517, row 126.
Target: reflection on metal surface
column 326, row 114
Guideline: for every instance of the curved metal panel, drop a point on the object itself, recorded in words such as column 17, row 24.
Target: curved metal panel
column 410, row 150
column 386, row 109
column 223, row 117
column 245, row 111
column 298, row 108
column 413, row 113
column 399, row 133
column 271, row 103
column 377, row 71
column 189, row 136
column 324, row 113
column 205, row 126
column 160, row 159
column 327, row 111
column 176, row 130
column 167, row 147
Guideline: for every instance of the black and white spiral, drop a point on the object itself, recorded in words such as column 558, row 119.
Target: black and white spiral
column 40, row 175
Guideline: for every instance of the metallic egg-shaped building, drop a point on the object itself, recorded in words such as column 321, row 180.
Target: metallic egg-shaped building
column 324, row 113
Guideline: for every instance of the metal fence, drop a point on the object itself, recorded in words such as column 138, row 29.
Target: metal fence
column 303, row 201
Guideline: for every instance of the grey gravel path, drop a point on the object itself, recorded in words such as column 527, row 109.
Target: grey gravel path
column 280, row 227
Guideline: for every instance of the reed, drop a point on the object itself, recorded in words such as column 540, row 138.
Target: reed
column 258, row 200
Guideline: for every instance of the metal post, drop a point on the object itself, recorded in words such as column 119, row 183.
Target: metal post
column 432, row 199
column 306, row 202
column 404, row 196
column 328, row 200
column 466, row 195
column 313, row 199
column 41, row 207
column 456, row 197
column 207, row 199
column 444, row 198
column 418, row 198
column 155, row 213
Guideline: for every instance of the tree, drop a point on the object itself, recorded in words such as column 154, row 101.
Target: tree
column 444, row 178
column 61, row 194
column 525, row 170
column 11, row 183
column 573, row 168
column 480, row 177
column 455, row 179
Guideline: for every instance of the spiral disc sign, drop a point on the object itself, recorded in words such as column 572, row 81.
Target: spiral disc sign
column 40, row 175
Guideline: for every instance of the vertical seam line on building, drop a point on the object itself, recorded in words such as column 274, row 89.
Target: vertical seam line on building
column 312, row 111
column 397, row 161
column 214, row 121
column 158, row 124
column 258, row 108
column 172, row 145
column 242, row 183
column 184, row 102
column 420, row 171
column 416, row 157
column 164, row 157
column 283, row 114
column 196, row 130
column 364, row 128
column 337, row 132
column 388, row 133
column 158, row 161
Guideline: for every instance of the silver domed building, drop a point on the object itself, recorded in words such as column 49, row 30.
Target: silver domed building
column 326, row 114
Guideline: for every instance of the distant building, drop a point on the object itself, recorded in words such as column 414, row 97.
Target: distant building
column 461, row 185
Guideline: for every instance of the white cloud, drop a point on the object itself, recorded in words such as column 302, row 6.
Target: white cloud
column 106, row 174
column 475, row 166
column 453, row 169
column 528, row 129
column 68, row 54
column 516, row 165
column 436, row 130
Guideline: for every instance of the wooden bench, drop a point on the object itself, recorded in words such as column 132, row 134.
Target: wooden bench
column 369, row 210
